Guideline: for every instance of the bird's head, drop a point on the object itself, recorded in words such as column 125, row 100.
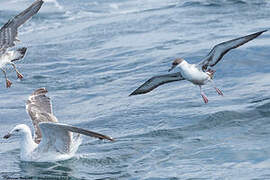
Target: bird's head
column 176, row 63
column 18, row 130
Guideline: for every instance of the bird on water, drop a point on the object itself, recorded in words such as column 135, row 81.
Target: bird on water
column 53, row 141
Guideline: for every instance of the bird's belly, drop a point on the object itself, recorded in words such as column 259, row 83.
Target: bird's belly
column 3, row 60
column 196, row 77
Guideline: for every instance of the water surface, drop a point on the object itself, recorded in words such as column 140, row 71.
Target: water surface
column 91, row 55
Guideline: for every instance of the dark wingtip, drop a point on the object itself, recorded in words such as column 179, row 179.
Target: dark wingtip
column 108, row 138
column 22, row 50
column 133, row 93
column 40, row 2
column 7, row 136
column 256, row 34
column 136, row 92
column 260, row 32
column 112, row 139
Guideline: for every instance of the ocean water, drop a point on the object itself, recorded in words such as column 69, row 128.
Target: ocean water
column 91, row 55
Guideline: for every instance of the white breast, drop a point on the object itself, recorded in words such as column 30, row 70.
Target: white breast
column 191, row 73
column 6, row 58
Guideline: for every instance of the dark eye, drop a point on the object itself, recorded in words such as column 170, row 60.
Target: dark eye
column 17, row 130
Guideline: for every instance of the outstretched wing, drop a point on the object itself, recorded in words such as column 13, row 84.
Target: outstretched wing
column 156, row 81
column 58, row 136
column 8, row 33
column 39, row 108
column 216, row 54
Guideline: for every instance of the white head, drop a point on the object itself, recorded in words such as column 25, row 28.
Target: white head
column 19, row 130
column 176, row 62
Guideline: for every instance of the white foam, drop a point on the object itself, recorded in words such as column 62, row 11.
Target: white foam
column 55, row 2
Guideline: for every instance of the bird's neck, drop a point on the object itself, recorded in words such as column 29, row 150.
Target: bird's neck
column 27, row 144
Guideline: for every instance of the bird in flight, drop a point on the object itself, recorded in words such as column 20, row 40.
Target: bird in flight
column 200, row 73
column 8, row 38
column 52, row 141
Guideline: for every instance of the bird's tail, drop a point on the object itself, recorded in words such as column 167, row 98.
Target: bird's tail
column 18, row 54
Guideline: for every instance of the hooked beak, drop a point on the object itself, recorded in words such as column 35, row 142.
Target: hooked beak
column 7, row 136
column 173, row 66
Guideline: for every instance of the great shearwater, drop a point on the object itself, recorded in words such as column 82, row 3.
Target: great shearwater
column 53, row 141
column 8, row 38
column 199, row 74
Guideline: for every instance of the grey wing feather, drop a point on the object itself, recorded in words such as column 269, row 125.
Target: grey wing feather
column 8, row 33
column 58, row 137
column 81, row 131
column 39, row 108
column 156, row 81
column 216, row 54
column 58, row 127
column 39, row 99
column 54, row 138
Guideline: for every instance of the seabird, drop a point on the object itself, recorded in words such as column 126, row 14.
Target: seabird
column 52, row 141
column 200, row 73
column 8, row 38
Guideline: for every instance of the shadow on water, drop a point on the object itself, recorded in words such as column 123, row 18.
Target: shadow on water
column 50, row 170
column 264, row 109
column 67, row 169
column 219, row 119
column 225, row 119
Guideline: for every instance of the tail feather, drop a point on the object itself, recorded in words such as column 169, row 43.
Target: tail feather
column 19, row 54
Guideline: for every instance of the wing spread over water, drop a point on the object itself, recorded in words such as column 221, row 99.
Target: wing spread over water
column 8, row 33
column 58, row 137
column 216, row 54
column 156, row 81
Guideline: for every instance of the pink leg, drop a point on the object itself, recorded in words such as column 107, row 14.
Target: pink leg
column 19, row 75
column 8, row 82
column 203, row 96
column 219, row 91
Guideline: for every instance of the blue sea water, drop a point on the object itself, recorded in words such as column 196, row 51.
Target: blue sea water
column 91, row 55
